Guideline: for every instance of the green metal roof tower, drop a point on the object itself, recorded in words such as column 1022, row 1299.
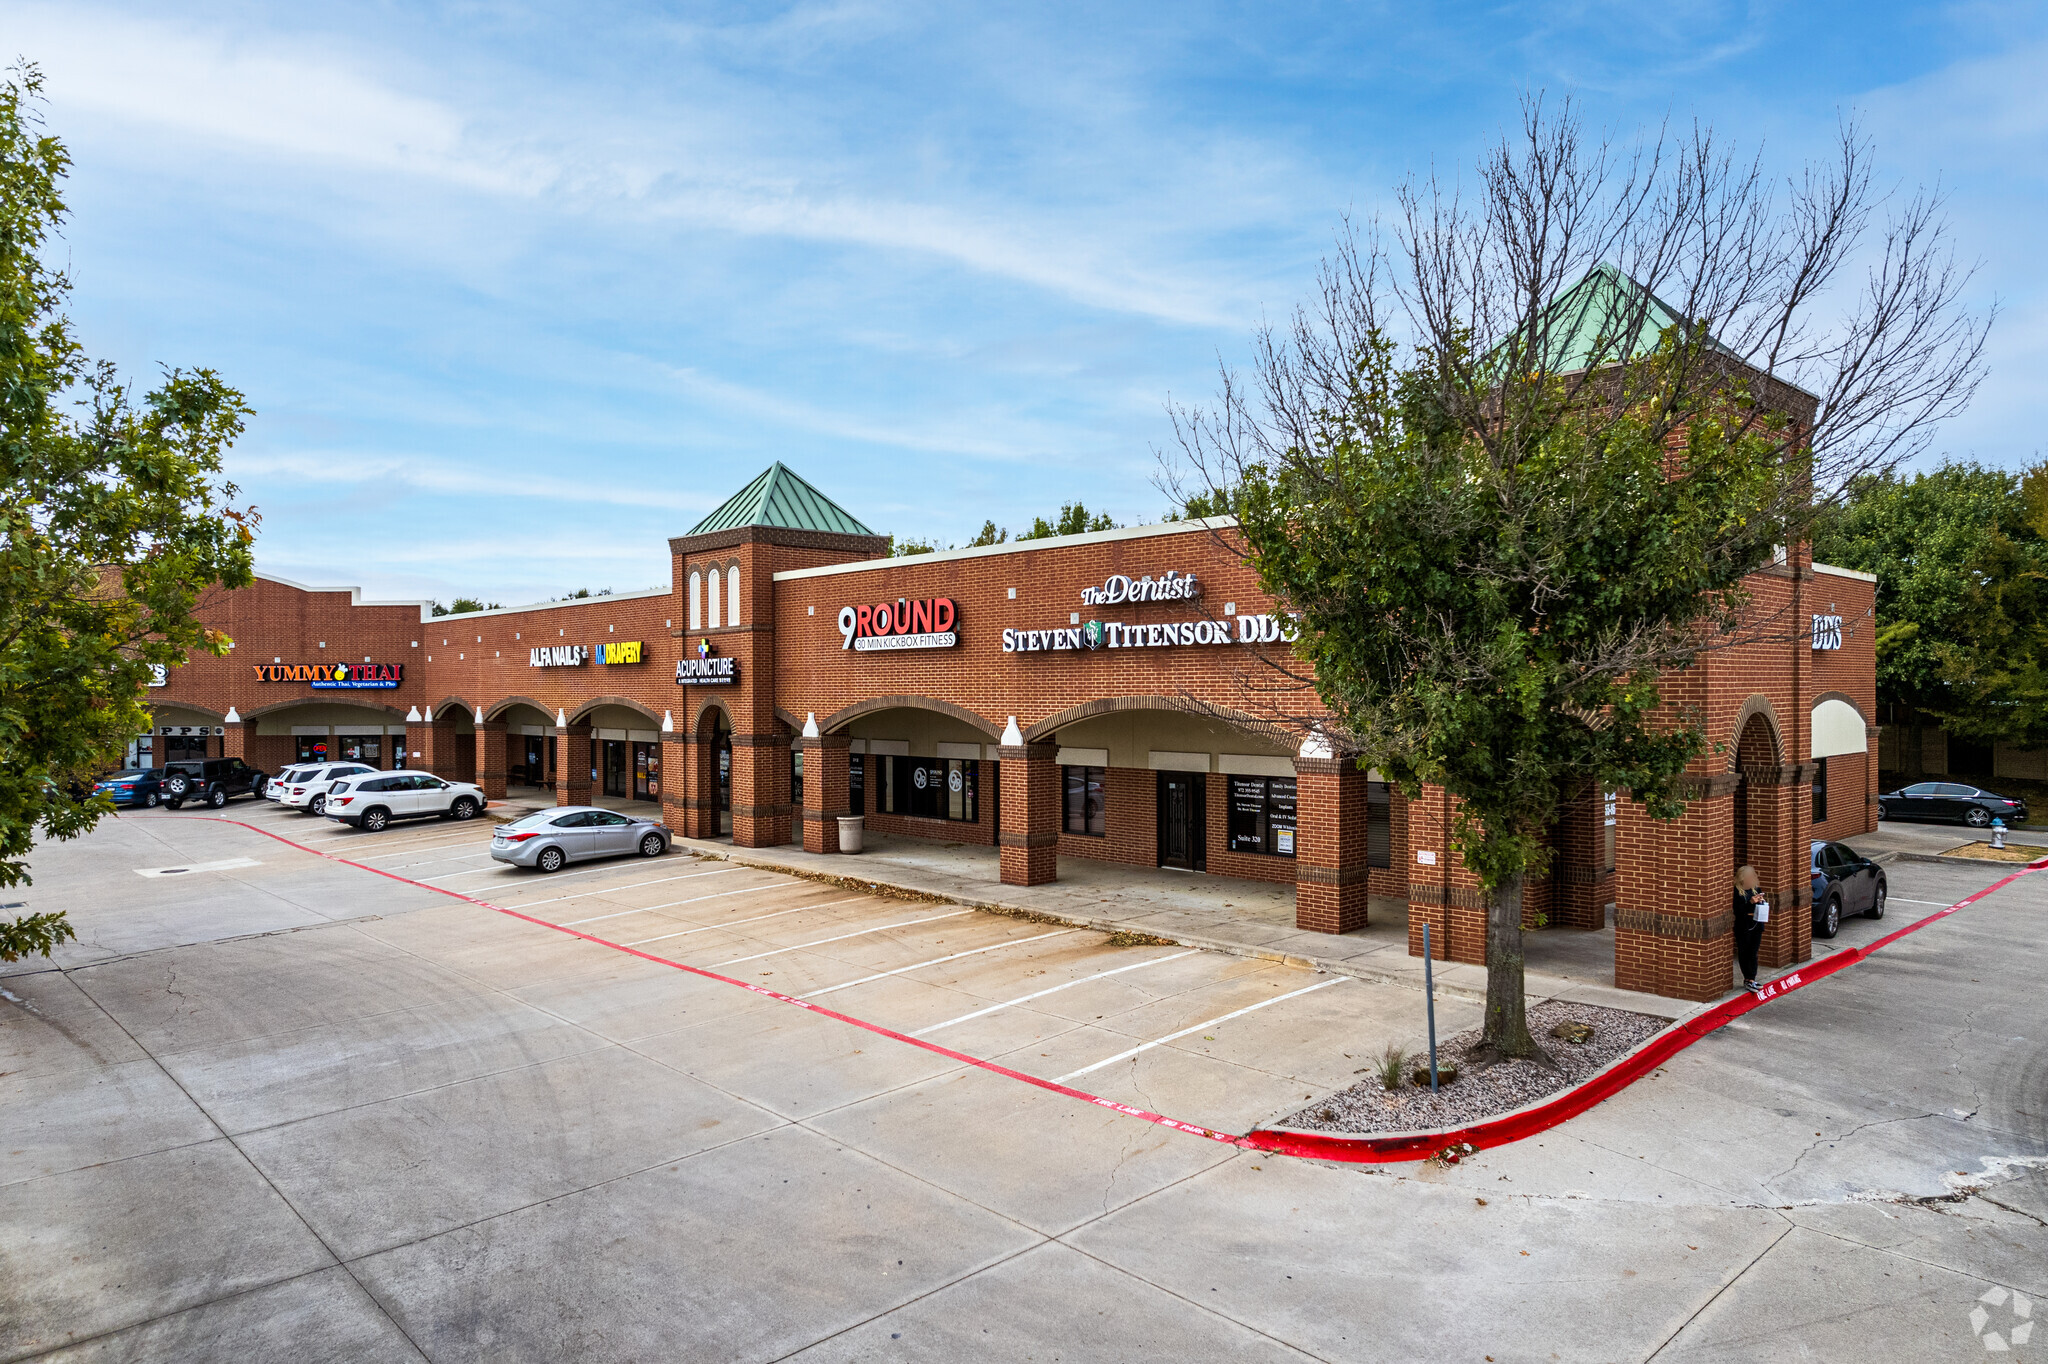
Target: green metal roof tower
column 778, row 497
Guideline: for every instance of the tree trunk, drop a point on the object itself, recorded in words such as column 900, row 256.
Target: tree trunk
column 1506, row 1035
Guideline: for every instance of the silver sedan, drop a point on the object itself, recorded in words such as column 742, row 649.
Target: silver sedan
column 552, row 839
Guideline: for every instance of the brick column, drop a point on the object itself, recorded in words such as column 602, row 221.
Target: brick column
column 827, row 767
column 572, row 764
column 1673, row 928
column 1780, row 817
column 1441, row 893
column 1581, row 883
column 490, row 757
column 1330, row 856
column 440, row 748
column 760, row 790
column 1029, row 832
column 235, row 740
column 419, row 745
column 678, row 798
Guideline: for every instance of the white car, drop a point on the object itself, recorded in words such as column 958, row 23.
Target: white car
column 305, row 788
column 275, row 788
column 377, row 800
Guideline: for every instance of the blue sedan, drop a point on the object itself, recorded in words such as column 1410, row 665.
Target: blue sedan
column 137, row 786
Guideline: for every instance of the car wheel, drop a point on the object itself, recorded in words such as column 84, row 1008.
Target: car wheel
column 152, row 800
column 375, row 820
column 217, row 797
column 1829, row 921
column 650, row 846
column 259, row 786
column 550, row 859
column 1978, row 817
column 178, row 785
column 1877, row 897
column 1882, row 813
column 318, row 805
column 463, row 808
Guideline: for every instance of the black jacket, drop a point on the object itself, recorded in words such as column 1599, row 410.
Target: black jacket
column 1745, row 907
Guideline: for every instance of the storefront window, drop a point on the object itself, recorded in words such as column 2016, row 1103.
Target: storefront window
column 1086, row 808
column 361, row 748
column 1820, row 791
column 857, row 784
column 796, row 777
column 1607, row 801
column 647, row 770
column 311, row 748
column 934, row 788
column 1262, row 815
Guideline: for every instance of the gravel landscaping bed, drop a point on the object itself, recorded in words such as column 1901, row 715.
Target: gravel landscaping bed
column 1369, row 1107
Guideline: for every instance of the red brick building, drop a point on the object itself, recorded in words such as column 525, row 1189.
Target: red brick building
column 1081, row 697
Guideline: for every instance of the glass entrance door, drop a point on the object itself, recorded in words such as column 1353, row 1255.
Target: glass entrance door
column 725, row 782
column 1180, row 820
column 616, row 763
column 646, row 771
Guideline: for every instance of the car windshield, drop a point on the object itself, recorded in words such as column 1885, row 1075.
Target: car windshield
column 526, row 822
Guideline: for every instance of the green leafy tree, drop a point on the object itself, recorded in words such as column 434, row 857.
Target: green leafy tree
column 988, row 535
column 1957, row 551
column 1203, row 504
column 903, row 549
column 463, row 605
column 1074, row 519
column 118, row 521
column 1502, row 511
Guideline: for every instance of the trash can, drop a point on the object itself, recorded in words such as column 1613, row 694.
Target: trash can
column 850, row 827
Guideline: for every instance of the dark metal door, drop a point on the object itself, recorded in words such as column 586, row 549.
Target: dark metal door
column 1180, row 820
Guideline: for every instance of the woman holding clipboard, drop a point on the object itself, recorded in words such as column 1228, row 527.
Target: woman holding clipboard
column 1752, row 912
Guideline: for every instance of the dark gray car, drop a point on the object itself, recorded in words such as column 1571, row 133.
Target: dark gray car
column 552, row 839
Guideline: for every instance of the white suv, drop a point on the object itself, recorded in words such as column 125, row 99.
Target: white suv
column 274, row 789
column 305, row 788
column 374, row 801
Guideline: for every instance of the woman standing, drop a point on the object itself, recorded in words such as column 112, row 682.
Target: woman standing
column 1752, row 911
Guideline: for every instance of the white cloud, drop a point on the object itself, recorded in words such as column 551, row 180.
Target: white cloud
column 307, row 109
column 427, row 475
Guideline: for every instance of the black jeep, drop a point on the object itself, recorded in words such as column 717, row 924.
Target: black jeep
column 213, row 780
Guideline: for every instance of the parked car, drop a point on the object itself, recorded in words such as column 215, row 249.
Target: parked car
column 375, row 801
column 552, row 839
column 1845, row 882
column 213, row 780
column 275, row 788
column 305, row 788
column 132, row 786
column 1948, row 802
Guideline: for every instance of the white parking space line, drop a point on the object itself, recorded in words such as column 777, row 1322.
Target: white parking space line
column 1053, row 990
column 906, row 923
column 713, row 928
column 435, row 862
column 417, row 849
column 1174, row 1036
column 972, row 952
column 666, row 904
column 613, row 890
column 1902, row 900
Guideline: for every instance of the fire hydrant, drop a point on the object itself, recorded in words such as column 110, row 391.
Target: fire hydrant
column 1998, row 833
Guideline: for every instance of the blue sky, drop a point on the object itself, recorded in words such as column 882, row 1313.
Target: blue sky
column 519, row 292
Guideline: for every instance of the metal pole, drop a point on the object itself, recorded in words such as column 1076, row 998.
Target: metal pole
column 1429, row 993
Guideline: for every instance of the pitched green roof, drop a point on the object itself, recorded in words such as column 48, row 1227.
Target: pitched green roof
column 777, row 497
column 1583, row 326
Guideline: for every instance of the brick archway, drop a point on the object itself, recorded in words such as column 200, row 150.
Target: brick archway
column 576, row 716
column 1045, row 729
column 839, row 719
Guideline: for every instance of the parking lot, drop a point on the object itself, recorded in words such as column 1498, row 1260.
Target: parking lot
column 277, row 1105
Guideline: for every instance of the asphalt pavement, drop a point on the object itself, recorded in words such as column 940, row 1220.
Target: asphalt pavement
column 274, row 1106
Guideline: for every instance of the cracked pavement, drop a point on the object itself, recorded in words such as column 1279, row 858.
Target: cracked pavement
column 376, row 1124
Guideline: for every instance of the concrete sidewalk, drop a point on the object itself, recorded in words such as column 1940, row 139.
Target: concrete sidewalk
column 1220, row 913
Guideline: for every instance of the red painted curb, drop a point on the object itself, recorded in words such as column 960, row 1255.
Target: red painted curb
column 1316, row 1146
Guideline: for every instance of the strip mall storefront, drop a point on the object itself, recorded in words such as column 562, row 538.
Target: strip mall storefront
column 1092, row 696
